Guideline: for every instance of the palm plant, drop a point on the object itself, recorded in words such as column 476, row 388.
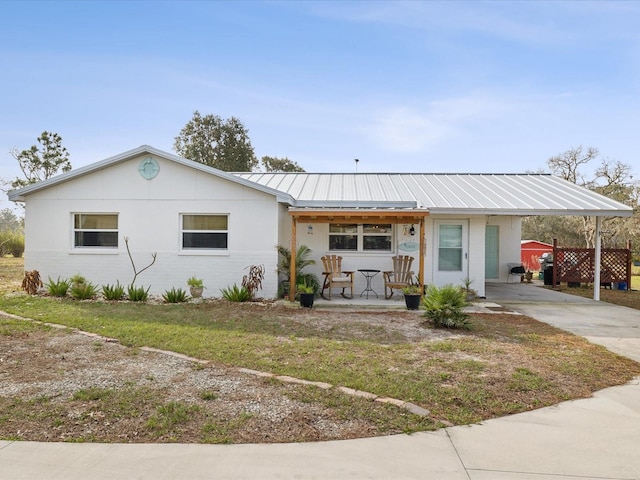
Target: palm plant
column 444, row 306
column 303, row 260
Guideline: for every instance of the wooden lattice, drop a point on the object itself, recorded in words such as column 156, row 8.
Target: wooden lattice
column 577, row 265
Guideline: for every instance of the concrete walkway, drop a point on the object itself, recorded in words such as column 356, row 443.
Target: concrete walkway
column 595, row 438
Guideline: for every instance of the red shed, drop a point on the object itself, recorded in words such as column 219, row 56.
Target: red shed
column 531, row 251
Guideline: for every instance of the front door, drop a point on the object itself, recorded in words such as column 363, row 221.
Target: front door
column 491, row 249
column 452, row 259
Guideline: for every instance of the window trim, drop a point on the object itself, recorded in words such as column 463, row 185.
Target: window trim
column 87, row 248
column 196, row 250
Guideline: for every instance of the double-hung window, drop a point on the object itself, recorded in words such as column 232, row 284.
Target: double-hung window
column 368, row 237
column 205, row 232
column 97, row 230
column 343, row 236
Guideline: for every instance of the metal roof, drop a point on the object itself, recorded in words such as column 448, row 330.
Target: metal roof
column 20, row 194
column 454, row 193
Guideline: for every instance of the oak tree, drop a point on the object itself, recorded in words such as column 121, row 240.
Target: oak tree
column 216, row 142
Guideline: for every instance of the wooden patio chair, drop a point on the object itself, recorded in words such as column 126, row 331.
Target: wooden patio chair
column 400, row 277
column 334, row 277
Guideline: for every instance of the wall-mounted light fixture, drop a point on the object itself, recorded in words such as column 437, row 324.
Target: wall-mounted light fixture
column 412, row 231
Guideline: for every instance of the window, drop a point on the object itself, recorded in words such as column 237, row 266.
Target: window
column 343, row 236
column 450, row 248
column 369, row 237
column 376, row 237
column 208, row 232
column 95, row 230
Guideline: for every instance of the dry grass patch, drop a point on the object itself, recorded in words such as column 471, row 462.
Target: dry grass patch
column 624, row 298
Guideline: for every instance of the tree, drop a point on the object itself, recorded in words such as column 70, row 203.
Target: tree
column 219, row 143
column 567, row 165
column 275, row 164
column 11, row 233
column 612, row 179
column 9, row 221
column 41, row 162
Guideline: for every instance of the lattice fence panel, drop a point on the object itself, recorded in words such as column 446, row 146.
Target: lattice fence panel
column 577, row 265
column 614, row 265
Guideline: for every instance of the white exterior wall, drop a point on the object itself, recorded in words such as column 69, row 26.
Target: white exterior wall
column 149, row 214
column 317, row 239
column 510, row 232
column 476, row 251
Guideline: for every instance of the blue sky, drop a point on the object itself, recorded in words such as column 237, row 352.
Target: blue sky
column 402, row 86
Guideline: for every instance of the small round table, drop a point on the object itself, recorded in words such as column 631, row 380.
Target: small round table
column 368, row 274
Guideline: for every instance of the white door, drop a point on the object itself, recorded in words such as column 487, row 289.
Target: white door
column 451, row 264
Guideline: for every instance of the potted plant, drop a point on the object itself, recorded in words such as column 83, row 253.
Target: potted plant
column 195, row 287
column 528, row 276
column 306, row 293
column 412, row 295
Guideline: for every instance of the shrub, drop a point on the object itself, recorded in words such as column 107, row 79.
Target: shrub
column 137, row 294
column 83, row 290
column 304, row 288
column 113, row 292
column 445, row 306
column 253, row 280
column 78, row 279
column 174, row 296
column 235, row 293
column 310, row 280
column 195, row 282
column 412, row 290
column 58, row 288
column 11, row 243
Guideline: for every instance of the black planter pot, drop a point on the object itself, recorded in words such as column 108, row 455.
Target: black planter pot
column 412, row 301
column 306, row 299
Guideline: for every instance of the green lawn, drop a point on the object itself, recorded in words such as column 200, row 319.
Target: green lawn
column 505, row 365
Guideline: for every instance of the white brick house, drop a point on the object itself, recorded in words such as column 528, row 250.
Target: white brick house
column 211, row 224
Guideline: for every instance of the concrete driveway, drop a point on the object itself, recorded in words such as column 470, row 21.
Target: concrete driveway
column 595, row 438
column 617, row 328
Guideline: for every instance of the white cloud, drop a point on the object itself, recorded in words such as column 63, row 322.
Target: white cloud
column 404, row 129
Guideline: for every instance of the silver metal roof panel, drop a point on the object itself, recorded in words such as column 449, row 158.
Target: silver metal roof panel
column 494, row 194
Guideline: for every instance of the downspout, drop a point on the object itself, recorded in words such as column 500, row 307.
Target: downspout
column 597, row 259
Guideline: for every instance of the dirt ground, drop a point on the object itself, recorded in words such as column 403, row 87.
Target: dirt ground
column 67, row 386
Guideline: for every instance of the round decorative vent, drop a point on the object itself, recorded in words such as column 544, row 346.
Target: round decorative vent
column 148, row 168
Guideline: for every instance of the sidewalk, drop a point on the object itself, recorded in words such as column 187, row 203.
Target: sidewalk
column 595, row 438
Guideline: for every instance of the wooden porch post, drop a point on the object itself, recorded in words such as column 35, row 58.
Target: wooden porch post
column 422, row 254
column 555, row 263
column 292, row 276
